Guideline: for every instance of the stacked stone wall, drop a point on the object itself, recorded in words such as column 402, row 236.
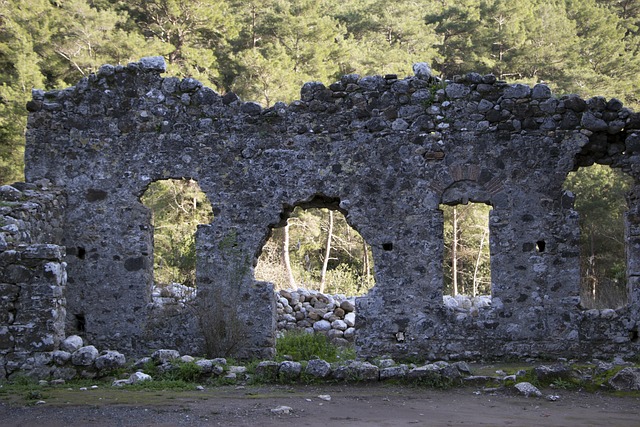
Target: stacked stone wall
column 32, row 277
column 315, row 312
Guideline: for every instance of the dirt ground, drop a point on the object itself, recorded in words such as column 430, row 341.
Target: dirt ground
column 350, row 405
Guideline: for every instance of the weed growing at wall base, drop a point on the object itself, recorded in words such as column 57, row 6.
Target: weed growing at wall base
column 304, row 346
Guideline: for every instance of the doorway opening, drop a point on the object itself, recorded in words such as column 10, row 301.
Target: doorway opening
column 600, row 200
column 177, row 206
column 467, row 259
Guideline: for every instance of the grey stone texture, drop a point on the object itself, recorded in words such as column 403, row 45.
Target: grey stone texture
column 289, row 370
column 318, row 368
column 527, row 389
column 386, row 152
column 355, row 370
column 312, row 311
column 628, row 379
column 71, row 343
column 110, row 360
column 85, row 356
column 165, row 355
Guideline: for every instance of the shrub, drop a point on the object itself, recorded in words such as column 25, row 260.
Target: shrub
column 304, row 346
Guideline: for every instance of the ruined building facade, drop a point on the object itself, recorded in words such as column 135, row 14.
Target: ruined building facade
column 384, row 151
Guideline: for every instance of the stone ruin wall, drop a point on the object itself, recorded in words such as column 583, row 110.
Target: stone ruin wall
column 32, row 276
column 386, row 152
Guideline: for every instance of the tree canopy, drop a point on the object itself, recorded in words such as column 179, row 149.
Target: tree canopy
column 264, row 51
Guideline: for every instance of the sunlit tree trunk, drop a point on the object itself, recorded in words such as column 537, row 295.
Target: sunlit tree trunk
column 591, row 272
column 478, row 258
column 454, row 252
column 327, row 253
column 286, row 258
column 365, row 266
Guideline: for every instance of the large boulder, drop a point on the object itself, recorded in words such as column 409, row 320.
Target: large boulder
column 84, row 356
column 289, row 371
column 322, row 326
column 71, row 343
column 549, row 373
column 211, row 366
column 350, row 319
column 627, row 379
column 163, row 356
column 428, row 373
column 318, row 368
column 527, row 389
column 110, row 360
column 394, row 372
column 60, row 357
column 357, row 371
column 139, row 377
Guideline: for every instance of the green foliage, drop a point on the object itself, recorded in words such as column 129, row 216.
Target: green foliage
column 576, row 46
column 24, row 386
column 601, row 202
column 565, row 384
column 303, row 346
column 456, row 25
column 150, row 368
column 344, row 279
column 265, row 50
column 436, row 381
column 185, row 372
column 188, row 372
column 194, row 34
column 375, row 29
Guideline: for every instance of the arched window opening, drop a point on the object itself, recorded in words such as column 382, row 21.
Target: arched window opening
column 317, row 250
column 600, row 200
column 177, row 206
column 467, row 261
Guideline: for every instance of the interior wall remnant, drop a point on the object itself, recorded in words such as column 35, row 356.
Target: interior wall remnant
column 391, row 150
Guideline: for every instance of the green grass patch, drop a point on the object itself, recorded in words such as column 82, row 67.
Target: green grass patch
column 162, row 385
column 601, row 379
column 564, row 384
column 304, row 346
column 188, row 372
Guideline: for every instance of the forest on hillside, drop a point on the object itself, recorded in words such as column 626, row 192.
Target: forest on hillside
column 265, row 50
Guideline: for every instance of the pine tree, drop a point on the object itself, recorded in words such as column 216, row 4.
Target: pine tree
column 605, row 65
column 23, row 31
column 457, row 24
column 86, row 38
column 395, row 31
column 284, row 45
column 197, row 33
column 551, row 46
column 502, row 36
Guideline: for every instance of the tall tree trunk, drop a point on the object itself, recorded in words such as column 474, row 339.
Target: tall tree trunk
column 365, row 267
column 286, row 258
column 592, row 266
column 454, row 253
column 327, row 253
column 475, row 270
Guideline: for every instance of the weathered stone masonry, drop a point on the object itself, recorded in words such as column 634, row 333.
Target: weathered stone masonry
column 386, row 152
column 32, row 277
